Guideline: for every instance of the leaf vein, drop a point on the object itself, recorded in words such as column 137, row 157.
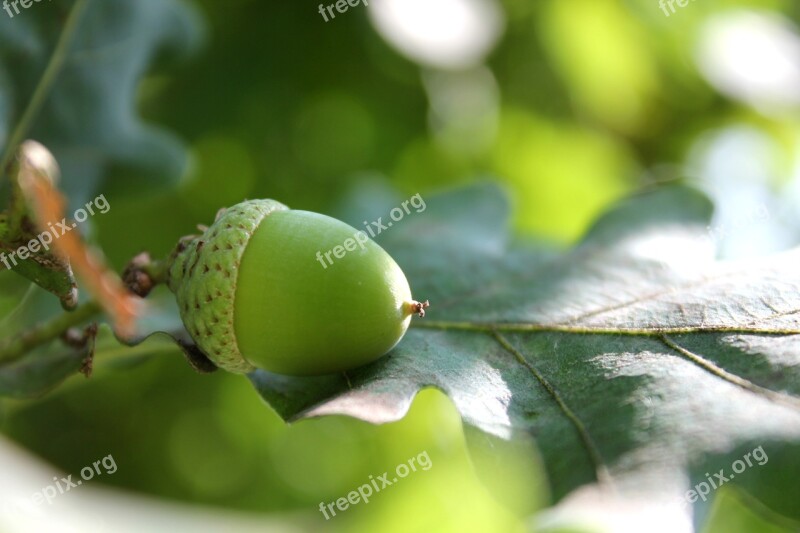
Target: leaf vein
column 601, row 471
column 730, row 377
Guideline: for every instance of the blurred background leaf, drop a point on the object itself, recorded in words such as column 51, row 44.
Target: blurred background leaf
column 89, row 120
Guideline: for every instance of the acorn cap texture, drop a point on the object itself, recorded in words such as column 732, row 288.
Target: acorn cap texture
column 203, row 273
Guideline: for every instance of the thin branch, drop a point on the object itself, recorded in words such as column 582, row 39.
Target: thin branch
column 19, row 345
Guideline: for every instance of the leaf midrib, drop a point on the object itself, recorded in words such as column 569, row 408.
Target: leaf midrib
column 521, row 327
column 602, row 472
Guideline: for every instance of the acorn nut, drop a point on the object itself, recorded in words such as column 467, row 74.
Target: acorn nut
column 253, row 292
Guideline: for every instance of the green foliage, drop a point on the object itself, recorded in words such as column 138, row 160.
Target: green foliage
column 577, row 99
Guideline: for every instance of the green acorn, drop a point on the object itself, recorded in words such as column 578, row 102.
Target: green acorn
column 253, row 292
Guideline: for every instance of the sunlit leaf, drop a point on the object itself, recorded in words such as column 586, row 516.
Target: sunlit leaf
column 635, row 361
